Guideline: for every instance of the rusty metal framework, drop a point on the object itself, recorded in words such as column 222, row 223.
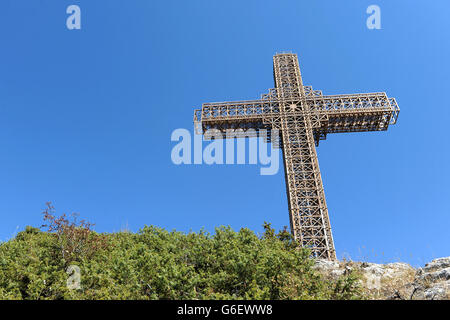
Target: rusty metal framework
column 303, row 117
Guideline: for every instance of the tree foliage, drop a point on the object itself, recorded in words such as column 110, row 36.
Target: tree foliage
column 158, row 264
column 75, row 239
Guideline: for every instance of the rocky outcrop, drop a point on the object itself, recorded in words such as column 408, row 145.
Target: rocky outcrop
column 433, row 280
column 395, row 280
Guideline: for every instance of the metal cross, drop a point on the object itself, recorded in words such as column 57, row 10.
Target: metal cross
column 303, row 117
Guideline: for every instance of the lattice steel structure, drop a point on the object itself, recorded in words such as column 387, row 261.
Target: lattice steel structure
column 303, row 117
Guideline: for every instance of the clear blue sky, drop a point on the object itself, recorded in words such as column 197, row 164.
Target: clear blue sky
column 86, row 115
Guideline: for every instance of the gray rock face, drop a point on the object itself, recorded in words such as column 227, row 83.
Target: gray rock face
column 440, row 291
column 437, row 264
column 395, row 280
column 433, row 280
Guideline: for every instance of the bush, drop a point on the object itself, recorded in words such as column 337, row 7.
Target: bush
column 74, row 239
column 158, row 264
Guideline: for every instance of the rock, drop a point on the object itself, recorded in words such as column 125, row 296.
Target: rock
column 386, row 280
column 395, row 280
column 433, row 281
column 440, row 291
column 437, row 264
column 436, row 276
column 327, row 265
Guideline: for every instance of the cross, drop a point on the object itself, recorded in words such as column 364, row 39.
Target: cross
column 303, row 117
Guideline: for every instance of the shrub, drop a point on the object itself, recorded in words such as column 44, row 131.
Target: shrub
column 74, row 239
column 157, row 264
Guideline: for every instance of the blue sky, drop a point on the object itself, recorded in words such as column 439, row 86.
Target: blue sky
column 86, row 116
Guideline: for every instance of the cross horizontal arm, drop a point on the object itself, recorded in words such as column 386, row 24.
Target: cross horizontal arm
column 329, row 114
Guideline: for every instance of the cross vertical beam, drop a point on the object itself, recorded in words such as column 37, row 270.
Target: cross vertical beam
column 308, row 213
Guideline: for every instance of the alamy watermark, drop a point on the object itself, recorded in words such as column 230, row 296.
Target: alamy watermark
column 74, row 20
column 190, row 151
column 74, row 279
column 374, row 20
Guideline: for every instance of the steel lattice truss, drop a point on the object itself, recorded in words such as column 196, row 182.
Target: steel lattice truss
column 303, row 117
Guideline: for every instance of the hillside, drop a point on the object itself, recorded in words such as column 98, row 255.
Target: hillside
column 67, row 260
